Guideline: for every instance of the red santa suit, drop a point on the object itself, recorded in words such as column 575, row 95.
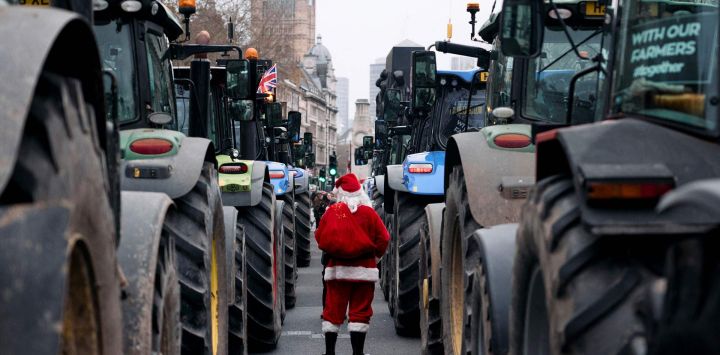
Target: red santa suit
column 353, row 236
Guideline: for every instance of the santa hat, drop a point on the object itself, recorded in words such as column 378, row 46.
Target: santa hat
column 348, row 191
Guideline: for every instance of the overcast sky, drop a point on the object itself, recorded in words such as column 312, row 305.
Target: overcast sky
column 358, row 32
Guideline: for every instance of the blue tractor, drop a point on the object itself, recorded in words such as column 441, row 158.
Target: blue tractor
column 443, row 103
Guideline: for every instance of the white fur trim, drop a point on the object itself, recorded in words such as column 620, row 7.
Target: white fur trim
column 328, row 327
column 353, row 199
column 357, row 273
column 358, row 327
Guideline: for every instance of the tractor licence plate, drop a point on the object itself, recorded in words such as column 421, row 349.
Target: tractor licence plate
column 34, row 2
column 593, row 8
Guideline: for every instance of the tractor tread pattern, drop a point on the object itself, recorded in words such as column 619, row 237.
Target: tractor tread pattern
column 263, row 312
column 303, row 228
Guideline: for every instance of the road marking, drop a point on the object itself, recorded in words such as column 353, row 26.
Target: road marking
column 310, row 334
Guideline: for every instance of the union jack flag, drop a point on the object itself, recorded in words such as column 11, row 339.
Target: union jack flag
column 268, row 81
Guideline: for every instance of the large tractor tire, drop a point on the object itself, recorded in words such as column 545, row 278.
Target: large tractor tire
column 151, row 298
column 430, row 318
column 388, row 272
column 197, row 227
column 491, row 290
column 238, row 321
column 573, row 292
column 460, row 261
column 59, row 233
column 303, row 227
column 290, row 241
column 409, row 216
column 262, row 266
column 280, row 254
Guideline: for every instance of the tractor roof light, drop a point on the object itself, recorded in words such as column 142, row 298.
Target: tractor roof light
column 186, row 7
column 131, row 5
column 473, row 7
column 251, row 54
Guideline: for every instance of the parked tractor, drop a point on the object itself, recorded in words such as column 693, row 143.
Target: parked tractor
column 614, row 247
column 158, row 156
column 488, row 175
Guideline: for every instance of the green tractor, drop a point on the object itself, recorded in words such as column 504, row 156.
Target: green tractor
column 159, row 155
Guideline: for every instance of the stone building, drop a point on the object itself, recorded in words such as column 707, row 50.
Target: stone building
column 363, row 125
column 295, row 19
column 314, row 96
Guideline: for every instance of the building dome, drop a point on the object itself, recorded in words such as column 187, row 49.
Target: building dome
column 320, row 51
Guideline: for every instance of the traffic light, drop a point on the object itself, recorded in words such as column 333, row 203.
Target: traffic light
column 322, row 175
column 333, row 164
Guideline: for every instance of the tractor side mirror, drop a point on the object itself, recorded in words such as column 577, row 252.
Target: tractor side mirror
column 380, row 133
column 294, row 123
column 241, row 110
column 274, row 114
column 368, row 143
column 423, row 83
column 237, row 80
column 521, row 28
column 391, row 103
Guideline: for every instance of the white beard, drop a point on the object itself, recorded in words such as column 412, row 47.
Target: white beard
column 352, row 199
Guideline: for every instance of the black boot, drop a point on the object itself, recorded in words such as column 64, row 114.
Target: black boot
column 357, row 339
column 330, row 340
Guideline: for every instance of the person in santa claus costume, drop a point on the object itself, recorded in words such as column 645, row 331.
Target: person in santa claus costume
column 353, row 236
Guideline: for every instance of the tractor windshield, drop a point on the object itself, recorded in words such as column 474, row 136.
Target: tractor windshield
column 451, row 110
column 667, row 62
column 546, row 92
column 115, row 43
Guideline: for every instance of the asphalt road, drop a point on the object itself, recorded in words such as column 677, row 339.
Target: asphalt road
column 301, row 330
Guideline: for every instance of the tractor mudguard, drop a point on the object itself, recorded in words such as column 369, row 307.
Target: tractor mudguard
column 301, row 183
column 426, row 183
column 498, row 180
column 33, row 256
column 497, row 255
column 56, row 40
column 380, row 183
column 393, row 182
column 137, row 254
column 280, row 185
column 698, row 203
column 291, row 182
column 434, row 214
column 230, row 219
column 258, row 175
column 395, row 178
column 612, row 151
column 185, row 169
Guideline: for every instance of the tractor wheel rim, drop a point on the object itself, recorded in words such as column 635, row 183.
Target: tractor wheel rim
column 214, row 302
column 536, row 336
column 457, row 293
column 81, row 329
